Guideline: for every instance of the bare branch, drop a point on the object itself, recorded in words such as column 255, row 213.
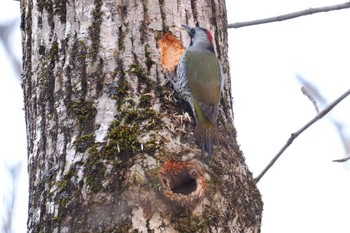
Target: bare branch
column 297, row 133
column 292, row 15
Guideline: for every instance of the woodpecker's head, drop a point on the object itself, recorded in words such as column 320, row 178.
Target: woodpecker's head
column 201, row 39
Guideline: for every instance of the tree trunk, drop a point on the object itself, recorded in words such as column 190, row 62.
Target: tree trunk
column 111, row 149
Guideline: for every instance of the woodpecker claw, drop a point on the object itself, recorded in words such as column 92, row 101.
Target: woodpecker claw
column 165, row 82
column 169, row 77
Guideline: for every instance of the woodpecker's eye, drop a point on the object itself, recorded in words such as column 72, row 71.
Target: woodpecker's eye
column 193, row 31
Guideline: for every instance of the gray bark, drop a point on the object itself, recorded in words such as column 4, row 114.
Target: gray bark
column 109, row 148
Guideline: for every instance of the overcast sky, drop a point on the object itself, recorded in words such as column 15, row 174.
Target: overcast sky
column 304, row 191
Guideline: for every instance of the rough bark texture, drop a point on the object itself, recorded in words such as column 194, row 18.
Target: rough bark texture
column 104, row 134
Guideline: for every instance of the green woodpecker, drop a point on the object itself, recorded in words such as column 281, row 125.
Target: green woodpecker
column 199, row 81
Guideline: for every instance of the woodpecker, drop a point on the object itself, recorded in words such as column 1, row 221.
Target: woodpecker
column 199, row 81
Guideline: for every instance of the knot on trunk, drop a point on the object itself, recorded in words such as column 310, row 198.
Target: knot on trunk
column 182, row 182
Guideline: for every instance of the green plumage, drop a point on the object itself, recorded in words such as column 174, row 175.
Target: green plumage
column 203, row 77
column 204, row 81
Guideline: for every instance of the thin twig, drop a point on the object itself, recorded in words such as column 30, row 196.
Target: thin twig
column 341, row 160
column 297, row 133
column 312, row 93
column 311, row 98
column 292, row 15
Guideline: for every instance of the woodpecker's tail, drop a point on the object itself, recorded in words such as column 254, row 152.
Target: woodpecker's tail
column 205, row 134
column 205, row 131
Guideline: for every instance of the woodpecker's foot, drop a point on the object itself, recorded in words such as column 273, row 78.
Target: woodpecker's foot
column 165, row 82
column 169, row 78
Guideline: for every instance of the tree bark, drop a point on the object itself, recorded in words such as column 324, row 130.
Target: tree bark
column 111, row 149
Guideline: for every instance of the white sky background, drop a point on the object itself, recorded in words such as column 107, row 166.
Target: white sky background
column 304, row 191
column 12, row 125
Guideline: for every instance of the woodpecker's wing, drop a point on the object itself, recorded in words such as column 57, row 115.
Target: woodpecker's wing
column 204, row 80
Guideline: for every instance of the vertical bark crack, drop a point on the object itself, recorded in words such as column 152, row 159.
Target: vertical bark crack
column 194, row 10
column 162, row 13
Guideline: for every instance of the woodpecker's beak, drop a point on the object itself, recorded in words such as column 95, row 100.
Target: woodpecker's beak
column 187, row 28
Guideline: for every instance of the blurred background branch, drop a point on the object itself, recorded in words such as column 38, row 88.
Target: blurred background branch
column 6, row 29
column 300, row 131
column 319, row 100
column 10, row 199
